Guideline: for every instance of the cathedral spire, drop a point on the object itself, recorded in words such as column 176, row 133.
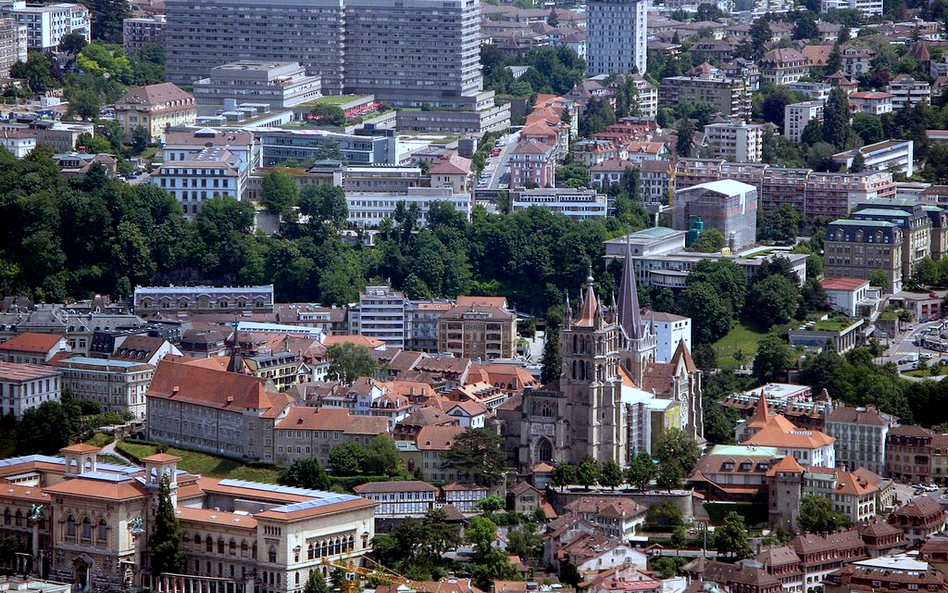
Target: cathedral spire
column 590, row 307
column 567, row 312
column 630, row 314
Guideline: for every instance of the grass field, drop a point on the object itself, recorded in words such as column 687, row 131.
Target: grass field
column 740, row 338
column 204, row 464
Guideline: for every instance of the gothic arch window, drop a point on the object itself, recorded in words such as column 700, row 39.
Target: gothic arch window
column 71, row 526
column 243, row 547
column 546, row 410
column 87, row 528
column 544, row 450
column 103, row 529
column 7, row 517
column 220, row 545
column 209, row 544
column 197, row 540
column 232, row 547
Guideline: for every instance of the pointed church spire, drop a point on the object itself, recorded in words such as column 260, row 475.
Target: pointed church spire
column 761, row 415
column 567, row 312
column 590, row 307
column 630, row 314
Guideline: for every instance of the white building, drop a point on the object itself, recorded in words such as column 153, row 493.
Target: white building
column 727, row 205
column 866, row 8
column 137, row 32
column 369, row 209
column 669, row 330
column 211, row 173
column 860, row 435
column 844, row 294
column 797, row 115
column 381, row 314
column 25, row 386
column 119, row 385
column 400, row 499
column 894, row 156
column 277, row 84
column 875, row 103
column 616, row 34
column 738, row 141
column 181, row 144
column 906, row 91
column 815, row 91
column 652, row 241
column 13, row 45
column 47, row 24
column 578, row 204
column 18, row 143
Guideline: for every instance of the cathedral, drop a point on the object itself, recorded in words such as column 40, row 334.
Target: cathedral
column 612, row 399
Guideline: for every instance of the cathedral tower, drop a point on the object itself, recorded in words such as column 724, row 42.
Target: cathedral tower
column 640, row 343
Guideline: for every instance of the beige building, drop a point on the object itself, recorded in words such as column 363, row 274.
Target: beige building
column 736, row 141
column 156, row 108
column 728, row 95
column 90, row 522
column 856, row 248
column 479, row 328
column 306, row 432
column 119, row 385
column 12, row 45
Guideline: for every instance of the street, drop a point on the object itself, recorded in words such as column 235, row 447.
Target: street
column 498, row 173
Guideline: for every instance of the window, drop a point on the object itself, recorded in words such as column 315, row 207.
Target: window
column 272, row 555
column 103, row 530
column 87, row 528
column 70, row 526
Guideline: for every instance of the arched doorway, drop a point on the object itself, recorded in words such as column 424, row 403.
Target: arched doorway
column 544, row 450
column 82, row 569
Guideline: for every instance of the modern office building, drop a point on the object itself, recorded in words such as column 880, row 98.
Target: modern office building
column 202, row 35
column 278, row 84
column 797, row 115
column 616, row 36
column 727, row 205
column 47, row 24
column 13, row 44
column 280, row 145
column 141, row 31
column 578, row 203
column 380, row 314
column 369, row 209
column 414, row 52
column 894, row 156
column 736, row 141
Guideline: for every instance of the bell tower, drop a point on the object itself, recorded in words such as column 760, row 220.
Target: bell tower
column 640, row 343
column 80, row 459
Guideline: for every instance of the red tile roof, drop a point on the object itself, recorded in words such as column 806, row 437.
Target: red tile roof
column 32, row 342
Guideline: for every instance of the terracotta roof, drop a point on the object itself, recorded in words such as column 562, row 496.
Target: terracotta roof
column 162, row 458
column 741, row 574
column 370, row 343
column 332, row 419
column 609, row 507
column 15, row 371
column 849, row 484
column 471, row 408
column 761, row 417
column 91, row 488
column 489, row 301
column 32, row 342
column 437, row 438
column 787, row 464
column 870, row 476
column 388, row 487
column 17, row 491
column 921, row 506
column 843, row 283
column 217, row 518
column 778, row 556
column 80, row 448
column 463, row 487
column 589, row 307
column 451, row 165
column 155, row 94
column 780, row 432
column 867, row 415
column 215, row 389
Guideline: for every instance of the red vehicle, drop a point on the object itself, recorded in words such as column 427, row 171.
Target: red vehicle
column 495, row 152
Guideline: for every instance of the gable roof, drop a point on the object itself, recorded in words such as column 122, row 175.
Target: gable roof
column 437, row 438
column 332, row 419
column 31, row 342
column 155, row 94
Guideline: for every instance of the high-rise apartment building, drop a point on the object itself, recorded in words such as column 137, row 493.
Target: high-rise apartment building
column 412, row 52
column 616, row 36
column 12, row 45
column 408, row 53
column 201, row 35
column 47, row 24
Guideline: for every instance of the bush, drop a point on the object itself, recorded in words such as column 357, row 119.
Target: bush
column 100, row 439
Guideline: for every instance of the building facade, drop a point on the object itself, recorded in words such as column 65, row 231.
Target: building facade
column 479, row 328
column 277, row 84
column 616, row 34
column 155, row 108
column 26, row 386
column 118, row 385
column 729, row 206
column 47, row 24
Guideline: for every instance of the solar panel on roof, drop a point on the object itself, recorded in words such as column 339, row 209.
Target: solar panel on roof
column 319, row 497
column 105, row 476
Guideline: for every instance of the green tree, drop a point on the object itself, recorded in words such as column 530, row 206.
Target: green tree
column 817, row 515
column 836, row 129
column 523, row 541
column 279, row 193
column 731, row 538
column 330, row 115
column 710, row 315
column 772, row 359
column 805, row 27
column 779, row 224
column 140, row 139
column 709, row 241
column 679, row 539
column 348, row 362
column 611, row 475
column 588, row 472
column 164, row 544
column 676, row 446
column 481, row 533
column 664, row 513
column 773, row 300
column 641, row 471
column 670, row 476
column 551, row 361
column 491, row 504
column 879, row 278
column 868, row 127
column 563, row 474
column 315, row 583
column 305, row 473
column 683, row 143
column 72, row 43
column 705, row 357
column 834, row 62
column 347, row 458
column 478, row 455
column 36, row 71
column 859, row 163
column 107, row 18
column 381, row 457
column 760, row 35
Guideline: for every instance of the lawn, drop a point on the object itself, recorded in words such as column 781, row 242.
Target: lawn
column 204, row 464
column 740, row 338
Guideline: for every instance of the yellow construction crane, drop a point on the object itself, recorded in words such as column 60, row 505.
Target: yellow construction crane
column 354, row 572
